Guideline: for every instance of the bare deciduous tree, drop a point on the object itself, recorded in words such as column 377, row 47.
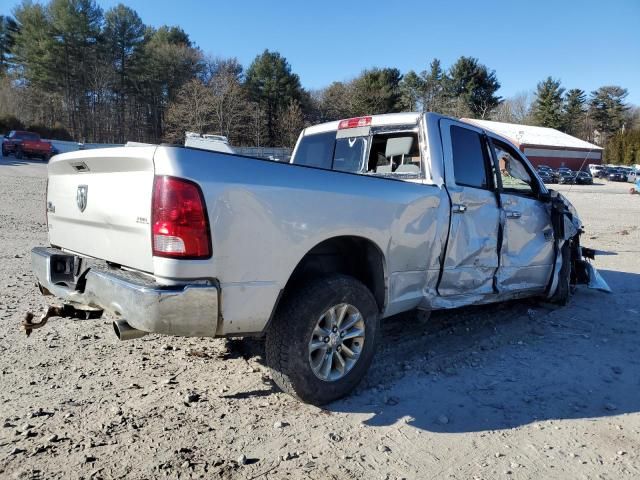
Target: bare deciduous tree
column 257, row 125
column 191, row 111
column 230, row 106
column 516, row 109
column 290, row 124
column 336, row 101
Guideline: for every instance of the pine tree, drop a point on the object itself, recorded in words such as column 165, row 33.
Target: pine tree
column 271, row 83
column 169, row 61
column 377, row 91
column 574, row 112
column 411, row 91
column 433, row 95
column 8, row 32
column 475, row 85
column 33, row 47
column 75, row 27
column 123, row 36
column 608, row 108
column 547, row 107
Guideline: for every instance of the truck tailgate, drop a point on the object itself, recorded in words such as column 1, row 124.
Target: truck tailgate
column 35, row 146
column 99, row 204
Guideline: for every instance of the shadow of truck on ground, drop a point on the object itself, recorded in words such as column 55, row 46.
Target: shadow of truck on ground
column 503, row 366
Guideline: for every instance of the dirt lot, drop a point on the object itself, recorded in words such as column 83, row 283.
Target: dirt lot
column 511, row 391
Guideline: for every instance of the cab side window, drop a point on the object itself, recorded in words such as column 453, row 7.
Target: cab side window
column 470, row 158
column 394, row 153
column 515, row 175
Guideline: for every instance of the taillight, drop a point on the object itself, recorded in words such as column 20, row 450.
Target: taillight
column 354, row 122
column 180, row 227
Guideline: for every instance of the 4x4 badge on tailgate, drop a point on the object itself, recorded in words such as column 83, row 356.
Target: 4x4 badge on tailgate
column 81, row 197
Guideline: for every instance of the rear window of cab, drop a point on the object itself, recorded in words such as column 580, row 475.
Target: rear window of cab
column 323, row 150
column 384, row 154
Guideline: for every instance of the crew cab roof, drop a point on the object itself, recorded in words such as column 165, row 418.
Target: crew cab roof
column 381, row 120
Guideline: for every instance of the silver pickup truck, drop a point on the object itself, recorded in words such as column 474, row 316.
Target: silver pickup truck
column 373, row 216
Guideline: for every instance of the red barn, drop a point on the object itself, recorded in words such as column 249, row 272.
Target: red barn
column 546, row 146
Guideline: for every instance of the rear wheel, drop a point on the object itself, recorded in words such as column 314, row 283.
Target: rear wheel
column 323, row 339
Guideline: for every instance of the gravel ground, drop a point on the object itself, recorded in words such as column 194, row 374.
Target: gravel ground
column 519, row 390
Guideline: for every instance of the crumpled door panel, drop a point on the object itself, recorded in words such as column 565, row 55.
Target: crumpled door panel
column 527, row 253
column 471, row 257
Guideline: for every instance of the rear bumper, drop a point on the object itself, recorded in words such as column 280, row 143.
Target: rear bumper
column 189, row 310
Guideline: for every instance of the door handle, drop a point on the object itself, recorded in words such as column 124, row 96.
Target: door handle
column 513, row 214
column 458, row 208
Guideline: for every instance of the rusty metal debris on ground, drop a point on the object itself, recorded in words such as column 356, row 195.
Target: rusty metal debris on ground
column 62, row 311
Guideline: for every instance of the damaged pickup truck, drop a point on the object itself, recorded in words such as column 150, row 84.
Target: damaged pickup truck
column 373, row 216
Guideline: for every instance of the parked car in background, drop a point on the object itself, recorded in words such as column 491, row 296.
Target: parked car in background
column 627, row 171
column 603, row 173
column 550, row 172
column 374, row 216
column 583, row 178
column 566, row 176
column 594, row 169
column 617, row 175
column 546, row 176
column 26, row 144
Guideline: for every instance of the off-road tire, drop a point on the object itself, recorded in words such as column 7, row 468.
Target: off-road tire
column 288, row 337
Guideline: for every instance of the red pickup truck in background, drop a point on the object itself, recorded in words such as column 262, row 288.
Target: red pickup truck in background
column 28, row 144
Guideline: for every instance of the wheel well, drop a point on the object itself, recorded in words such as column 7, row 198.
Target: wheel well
column 349, row 255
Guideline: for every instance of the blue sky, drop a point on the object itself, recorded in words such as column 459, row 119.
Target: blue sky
column 585, row 44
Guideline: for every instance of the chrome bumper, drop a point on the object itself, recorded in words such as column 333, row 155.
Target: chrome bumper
column 189, row 310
